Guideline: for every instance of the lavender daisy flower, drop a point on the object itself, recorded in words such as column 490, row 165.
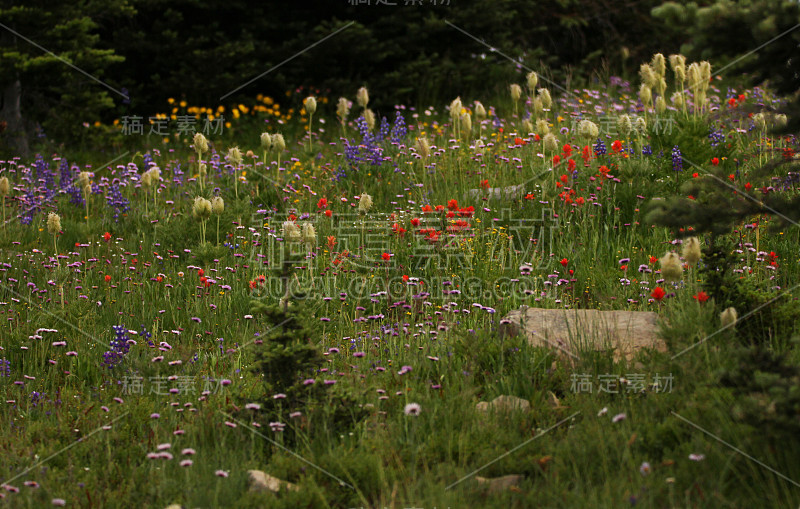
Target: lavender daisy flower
column 412, row 409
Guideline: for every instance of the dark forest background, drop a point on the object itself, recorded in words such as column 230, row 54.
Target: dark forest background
column 145, row 51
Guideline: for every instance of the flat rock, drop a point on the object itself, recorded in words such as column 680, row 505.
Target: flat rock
column 262, row 481
column 574, row 330
column 508, row 193
column 504, row 404
column 496, row 484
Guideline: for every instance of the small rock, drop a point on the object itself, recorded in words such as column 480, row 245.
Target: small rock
column 174, row 506
column 496, row 484
column 504, row 403
column 261, row 481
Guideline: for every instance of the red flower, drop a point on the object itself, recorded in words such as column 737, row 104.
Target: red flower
column 292, row 217
column 567, row 149
column 204, row 281
column 485, row 184
column 106, row 236
column 616, row 146
column 564, row 178
column 398, row 230
column 439, row 208
column 159, row 279
column 328, row 213
column 623, row 267
column 252, row 285
column 695, row 175
column 452, row 204
column 653, row 259
column 201, row 273
column 715, row 161
column 571, row 165
column 466, row 212
column 322, row 203
column 742, row 98
column 426, row 209
column 108, row 278
column 700, row 297
column 732, row 177
column 386, row 257
column 556, row 159
column 331, row 241
column 415, row 221
column 519, row 141
column 580, row 200
column 405, row 277
column 564, row 262
column 732, row 102
column 530, row 196
column 658, row 293
column 603, row 169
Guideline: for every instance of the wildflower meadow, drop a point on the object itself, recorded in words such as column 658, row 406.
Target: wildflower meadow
column 306, row 301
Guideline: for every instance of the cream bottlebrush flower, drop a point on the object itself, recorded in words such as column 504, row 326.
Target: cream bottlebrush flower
column 516, row 91
column 760, row 121
column 550, row 143
column 533, row 80
column 266, row 141
column 278, row 142
column 661, row 104
column 677, row 99
column 155, row 174
column 780, row 121
column 538, row 107
column 466, row 123
column 203, row 169
column 648, row 75
column 480, row 111
column 455, row 108
column 705, row 73
column 641, row 125
column 343, row 108
column 728, row 318
column 309, row 234
column 200, row 143
column 671, row 268
column 201, row 208
column 423, row 147
column 691, row 251
column 645, row 94
column 5, row 187
column 291, row 232
column 369, row 116
column 542, row 127
column 146, row 179
column 694, row 76
column 53, row 223
column 362, row 97
column 624, row 125
column 678, row 64
column 527, row 126
column 659, row 64
column 311, row 104
column 364, row 203
column 235, row 156
column 83, row 179
column 588, row 129
column 217, row 205
column 544, row 95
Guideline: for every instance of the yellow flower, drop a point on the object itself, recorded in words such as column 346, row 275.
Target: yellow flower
column 183, row 104
column 170, row 100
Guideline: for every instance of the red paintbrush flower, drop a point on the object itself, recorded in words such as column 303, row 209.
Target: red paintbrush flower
column 701, row 297
column 658, row 293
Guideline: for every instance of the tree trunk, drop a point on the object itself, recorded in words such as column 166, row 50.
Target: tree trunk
column 11, row 113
